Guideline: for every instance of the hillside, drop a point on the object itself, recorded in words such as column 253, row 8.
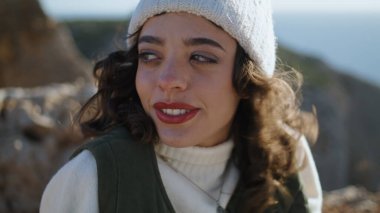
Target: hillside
column 36, row 136
column 347, row 108
column 31, row 44
column 346, row 151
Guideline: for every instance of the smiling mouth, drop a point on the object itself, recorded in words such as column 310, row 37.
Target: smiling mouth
column 175, row 113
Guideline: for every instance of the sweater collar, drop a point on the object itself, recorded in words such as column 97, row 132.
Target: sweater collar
column 196, row 155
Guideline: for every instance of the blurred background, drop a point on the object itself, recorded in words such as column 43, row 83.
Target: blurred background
column 48, row 48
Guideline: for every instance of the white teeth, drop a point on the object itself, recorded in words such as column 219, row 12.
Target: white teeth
column 175, row 112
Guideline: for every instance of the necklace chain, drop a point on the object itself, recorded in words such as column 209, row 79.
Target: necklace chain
column 219, row 208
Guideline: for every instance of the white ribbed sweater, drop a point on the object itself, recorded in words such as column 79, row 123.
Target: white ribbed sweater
column 197, row 173
column 74, row 187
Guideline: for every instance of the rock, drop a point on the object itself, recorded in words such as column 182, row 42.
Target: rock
column 351, row 199
column 347, row 111
column 346, row 152
column 35, row 50
column 36, row 139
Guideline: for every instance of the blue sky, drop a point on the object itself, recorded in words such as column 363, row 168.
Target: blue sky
column 120, row 8
column 327, row 5
column 341, row 35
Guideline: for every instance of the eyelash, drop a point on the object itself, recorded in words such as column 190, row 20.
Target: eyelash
column 203, row 59
column 197, row 58
column 144, row 57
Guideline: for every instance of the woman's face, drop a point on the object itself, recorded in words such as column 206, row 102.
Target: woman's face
column 184, row 79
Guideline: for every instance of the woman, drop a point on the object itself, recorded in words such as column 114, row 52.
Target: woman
column 191, row 118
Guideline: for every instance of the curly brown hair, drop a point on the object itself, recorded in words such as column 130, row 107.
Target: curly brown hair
column 264, row 149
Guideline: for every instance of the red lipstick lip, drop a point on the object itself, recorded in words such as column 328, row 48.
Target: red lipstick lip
column 162, row 105
column 175, row 119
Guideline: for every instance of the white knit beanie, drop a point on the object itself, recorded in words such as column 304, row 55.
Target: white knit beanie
column 248, row 21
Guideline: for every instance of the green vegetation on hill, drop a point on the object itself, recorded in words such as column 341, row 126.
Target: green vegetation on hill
column 346, row 150
column 95, row 38
column 310, row 67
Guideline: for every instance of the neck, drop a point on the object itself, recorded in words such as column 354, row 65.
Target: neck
column 204, row 166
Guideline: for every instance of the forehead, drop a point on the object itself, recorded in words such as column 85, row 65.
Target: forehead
column 182, row 24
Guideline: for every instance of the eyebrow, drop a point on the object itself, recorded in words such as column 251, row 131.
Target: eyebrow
column 188, row 42
column 203, row 41
column 151, row 40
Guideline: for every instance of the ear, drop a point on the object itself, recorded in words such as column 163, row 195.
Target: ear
column 244, row 96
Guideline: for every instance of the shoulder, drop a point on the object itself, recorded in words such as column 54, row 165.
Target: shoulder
column 308, row 176
column 74, row 187
column 114, row 136
column 106, row 145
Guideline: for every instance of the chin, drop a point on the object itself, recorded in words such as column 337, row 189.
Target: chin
column 176, row 142
column 175, row 138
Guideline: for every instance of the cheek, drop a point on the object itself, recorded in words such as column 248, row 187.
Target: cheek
column 142, row 87
column 138, row 83
column 219, row 92
column 230, row 98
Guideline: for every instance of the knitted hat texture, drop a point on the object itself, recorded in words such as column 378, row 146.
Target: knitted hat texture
column 248, row 21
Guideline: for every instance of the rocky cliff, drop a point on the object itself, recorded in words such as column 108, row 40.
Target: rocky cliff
column 34, row 50
column 349, row 139
column 36, row 136
column 347, row 110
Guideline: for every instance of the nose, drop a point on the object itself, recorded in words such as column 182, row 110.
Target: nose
column 173, row 76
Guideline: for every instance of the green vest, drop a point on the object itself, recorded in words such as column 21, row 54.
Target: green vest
column 129, row 179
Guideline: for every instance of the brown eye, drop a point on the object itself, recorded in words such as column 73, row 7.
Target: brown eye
column 148, row 57
column 203, row 59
